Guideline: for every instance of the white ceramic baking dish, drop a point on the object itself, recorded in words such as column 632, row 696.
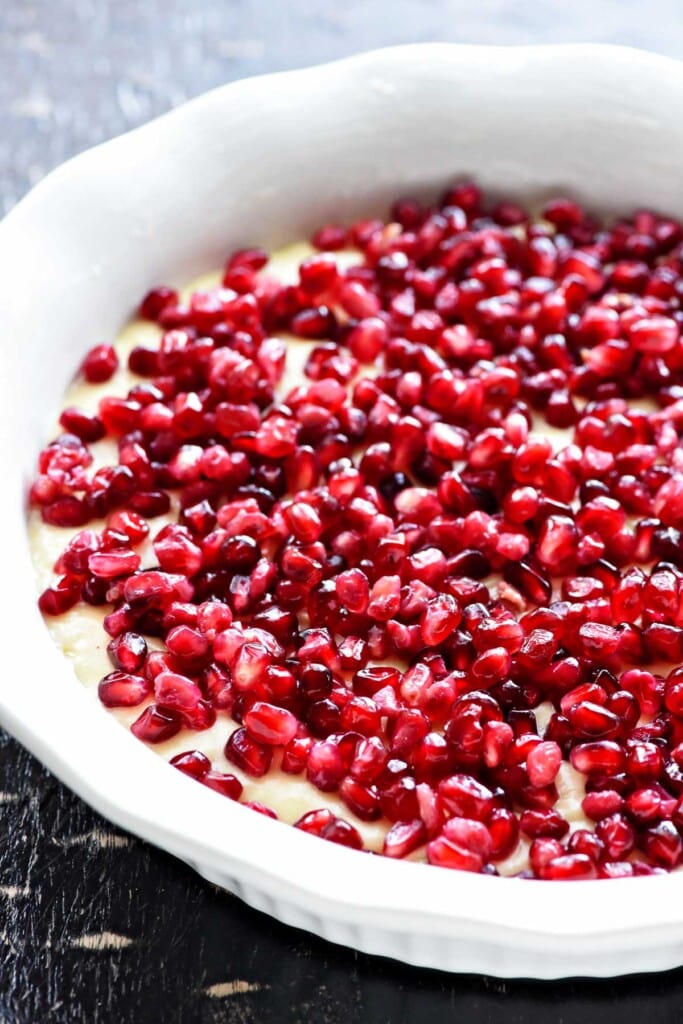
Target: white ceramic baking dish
column 264, row 161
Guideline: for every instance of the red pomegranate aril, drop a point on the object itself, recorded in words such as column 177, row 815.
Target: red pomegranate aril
column 128, row 651
column 317, row 274
column 109, row 565
column 303, row 521
column 503, row 827
column 646, row 687
column 465, row 796
column 156, row 300
column 362, row 800
column 617, row 836
column 602, row 803
column 370, row 760
column 187, row 644
column 469, row 834
column 192, row 762
column 123, row 690
column 176, row 552
column 247, row 754
column 491, row 666
column 99, row 364
column 398, row 799
column 602, row 757
column 67, row 511
column 156, row 725
column 325, row 766
column 543, row 763
column 592, row 721
column 87, row 427
column 385, row 598
column 339, row 501
column 496, row 740
column 269, row 724
column 655, row 334
column 543, row 849
column 353, row 590
column 445, row 854
column 663, row 845
column 403, row 838
column 571, row 867
column 224, row 783
column 330, row 237
column 61, row 597
column 439, row 619
column 361, row 714
column 549, row 824
column 368, row 338
column 343, row 833
column 312, row 323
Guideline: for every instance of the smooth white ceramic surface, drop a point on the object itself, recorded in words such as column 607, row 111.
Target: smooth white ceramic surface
column 264, row 161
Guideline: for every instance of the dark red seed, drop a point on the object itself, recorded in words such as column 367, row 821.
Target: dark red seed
column 99, row 364
column 155, row 725
column 192, row 762
column 224, row 783
column 250, row 756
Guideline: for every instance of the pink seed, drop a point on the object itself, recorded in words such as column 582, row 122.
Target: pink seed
column 543, row 763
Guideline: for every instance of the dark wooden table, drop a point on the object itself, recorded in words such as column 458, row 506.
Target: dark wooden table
column 97, row 927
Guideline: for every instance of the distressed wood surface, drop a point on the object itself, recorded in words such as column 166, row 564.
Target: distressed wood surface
column 97, row 927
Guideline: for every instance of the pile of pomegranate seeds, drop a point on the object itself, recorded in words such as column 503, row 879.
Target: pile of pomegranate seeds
column 375, row 578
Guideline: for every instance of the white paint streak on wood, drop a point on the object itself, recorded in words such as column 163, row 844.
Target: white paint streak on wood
column 225, row 989
column 102, row 940
column 105, row 840
column 14, row 891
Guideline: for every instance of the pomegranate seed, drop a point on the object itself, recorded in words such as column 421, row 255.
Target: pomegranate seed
column 543, row 763
column 603, row 757
column 617, row 835
column 156, row 725
column 223, row 783
column 192, row 762
column 592, row 721
column 330, row 237
column 99, row 364
column 248, row 754
column 464, row 796
column 156, row 300
column 403, row 838
column 601, row 804
column 663, row 845
column 318, row 530
column 111, row 564
column 60, row 598
column 503, row 826
column 549, row 824
column 123, row 690
column 128, row 651
column 87, row 427
column 654, row 334
column 470, row 835
column 269, row 724
column 325, row 766
column 362, row 800
column 446, row 854
column 572, row 867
